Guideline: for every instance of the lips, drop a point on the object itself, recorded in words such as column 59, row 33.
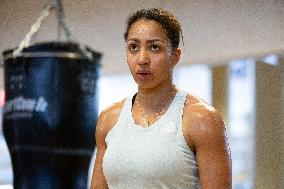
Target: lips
column 143, row 74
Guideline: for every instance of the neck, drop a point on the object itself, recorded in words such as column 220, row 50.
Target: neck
column 153, row 99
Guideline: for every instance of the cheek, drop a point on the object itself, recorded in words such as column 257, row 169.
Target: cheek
column 161, row 63
column 131, row 63
column 129, row 59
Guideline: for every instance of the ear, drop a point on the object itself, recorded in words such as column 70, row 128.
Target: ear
column 176, row 56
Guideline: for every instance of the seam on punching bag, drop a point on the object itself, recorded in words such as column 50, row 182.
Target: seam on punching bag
column 46, row 54
column 51, row 150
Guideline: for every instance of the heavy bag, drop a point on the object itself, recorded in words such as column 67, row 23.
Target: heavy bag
column 50, row 114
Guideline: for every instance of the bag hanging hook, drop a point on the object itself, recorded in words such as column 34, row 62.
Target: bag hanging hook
column 61, row 25
column 61, row 20
column 50, row 5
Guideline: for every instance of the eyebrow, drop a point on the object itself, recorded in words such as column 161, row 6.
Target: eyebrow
column 148, row 41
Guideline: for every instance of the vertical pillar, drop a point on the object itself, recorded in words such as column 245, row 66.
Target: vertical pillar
column 220, row 89
column 268, row 126
column 281, row 145
column 1, row 78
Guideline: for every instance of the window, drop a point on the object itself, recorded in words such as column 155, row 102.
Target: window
column 241, row 122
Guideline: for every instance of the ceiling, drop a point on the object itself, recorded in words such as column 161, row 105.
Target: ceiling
column 214, row 31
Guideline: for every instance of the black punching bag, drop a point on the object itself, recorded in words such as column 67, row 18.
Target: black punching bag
column 50, row 114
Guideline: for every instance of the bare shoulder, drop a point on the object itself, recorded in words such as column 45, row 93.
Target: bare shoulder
column 201, row 121
column 105, row 123
column 197, row 109
column 108, row 118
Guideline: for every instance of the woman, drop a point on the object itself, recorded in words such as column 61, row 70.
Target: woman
column 161, row 137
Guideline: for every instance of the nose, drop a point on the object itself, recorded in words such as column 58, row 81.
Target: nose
column 143, row 57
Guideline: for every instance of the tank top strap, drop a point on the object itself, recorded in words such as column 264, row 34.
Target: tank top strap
column 180, row 100
column 124, row 114
column 173, row 118
column 122, row 119
column 178, row 105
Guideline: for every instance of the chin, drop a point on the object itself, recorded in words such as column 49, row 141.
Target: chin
column 144, row 85
column 147, row 85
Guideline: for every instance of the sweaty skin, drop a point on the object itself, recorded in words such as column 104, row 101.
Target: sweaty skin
column 151, row 61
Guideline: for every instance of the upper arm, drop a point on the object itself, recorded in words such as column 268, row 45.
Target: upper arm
column 208, row 133
column 105, row 123
column 98, row 179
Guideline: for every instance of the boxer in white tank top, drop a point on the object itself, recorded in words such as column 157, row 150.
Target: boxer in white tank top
column 160, row 159
column 163, row 137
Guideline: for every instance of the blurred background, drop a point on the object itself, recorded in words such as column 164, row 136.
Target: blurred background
column 232, row 57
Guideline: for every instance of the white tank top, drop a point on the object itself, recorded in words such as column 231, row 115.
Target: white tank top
column 150, row 158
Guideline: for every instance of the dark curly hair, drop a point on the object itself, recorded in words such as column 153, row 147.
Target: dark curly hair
column 166, row 19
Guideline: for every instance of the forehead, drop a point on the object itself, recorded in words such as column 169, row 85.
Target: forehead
column 147, row 29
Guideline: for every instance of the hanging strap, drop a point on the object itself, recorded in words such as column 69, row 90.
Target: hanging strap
column 55, row 4
column 60, row 18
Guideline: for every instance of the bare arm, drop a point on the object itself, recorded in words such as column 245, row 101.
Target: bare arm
column 98, row 179
column 105, row 123
column 208, row 134
column 213, row 155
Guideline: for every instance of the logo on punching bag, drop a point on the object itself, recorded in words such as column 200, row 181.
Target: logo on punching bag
column 20, row 107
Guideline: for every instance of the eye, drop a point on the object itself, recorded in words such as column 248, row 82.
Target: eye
column 155, row 47
column 133, row 47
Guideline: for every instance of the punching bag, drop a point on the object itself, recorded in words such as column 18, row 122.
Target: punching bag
column 50, row 114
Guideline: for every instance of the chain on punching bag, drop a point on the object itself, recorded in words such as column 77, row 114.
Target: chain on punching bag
column 50, row 111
